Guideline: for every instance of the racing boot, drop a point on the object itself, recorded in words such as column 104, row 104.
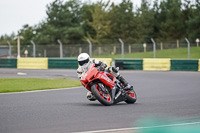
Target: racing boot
column 124, row 82
column 90, row 96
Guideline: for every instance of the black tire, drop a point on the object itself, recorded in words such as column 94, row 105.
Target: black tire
column 100, row 97
column 131, row 97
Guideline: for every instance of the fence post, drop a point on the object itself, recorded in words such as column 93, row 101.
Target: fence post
column 90, row 47
column 129, row 49
column 122, row 47
column 10, row 49
column 177, row 43
column 154, row 48
column 99, row 50
column 161, row 46
column 145, row 47
column 45, row 53
column 80, row 50
column 188, row 47
column 197, row 41
column 61, row 48
column 33, row 48
column 18, row 45
column 114, row 49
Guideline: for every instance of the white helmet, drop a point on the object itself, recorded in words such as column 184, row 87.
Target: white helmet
column 83, row 58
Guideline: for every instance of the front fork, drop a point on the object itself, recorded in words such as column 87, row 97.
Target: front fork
column 118, row 93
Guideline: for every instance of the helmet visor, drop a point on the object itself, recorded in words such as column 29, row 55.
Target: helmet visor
column 83, row 62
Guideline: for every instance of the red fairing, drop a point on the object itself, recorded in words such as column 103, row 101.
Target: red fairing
column 106, row 79
column 93, row 74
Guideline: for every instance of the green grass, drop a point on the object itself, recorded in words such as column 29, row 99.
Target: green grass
column 166, row 53
column 30, row 84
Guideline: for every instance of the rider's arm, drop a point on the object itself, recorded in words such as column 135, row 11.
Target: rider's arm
column 79, row 72
column 99, row 63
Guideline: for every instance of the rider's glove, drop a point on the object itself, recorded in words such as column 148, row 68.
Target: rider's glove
column 102, row 66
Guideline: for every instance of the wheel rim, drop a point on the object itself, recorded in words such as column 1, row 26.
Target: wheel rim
column 106, row 97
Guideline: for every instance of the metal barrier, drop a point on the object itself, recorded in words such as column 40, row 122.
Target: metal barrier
column 184, row 65
column 129, row 64
column 159, row 64
column 62, row 63
column 61, row 50
column 162, row 64
column 199, row 65
column 8, row 63
column 32, row 63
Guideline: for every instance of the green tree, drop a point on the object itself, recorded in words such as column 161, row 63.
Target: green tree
column 5, row 38
column 100, row 22
column 28, row 33
column 86, row 16
column 172, row 28
column 63, row 22
column 145, row 22
column 193, row 21
column 122, row 21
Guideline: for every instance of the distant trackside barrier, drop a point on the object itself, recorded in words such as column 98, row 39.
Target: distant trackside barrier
column 146, row 64
column 32, row 63
column 129, row 64
column 62, row 63
column 199, row 65
column 152, row 64
column 8, row 63
column 158, row 64
column 184, row 65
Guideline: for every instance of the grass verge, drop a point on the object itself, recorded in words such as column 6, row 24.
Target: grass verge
column 179, row 53
column 30, row 84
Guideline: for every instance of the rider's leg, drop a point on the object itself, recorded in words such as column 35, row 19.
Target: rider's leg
column 122, row 79
column 114, row 71
column 90, row 96
column 124, row 82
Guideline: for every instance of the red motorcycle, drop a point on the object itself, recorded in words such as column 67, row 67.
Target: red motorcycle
column 105, row 87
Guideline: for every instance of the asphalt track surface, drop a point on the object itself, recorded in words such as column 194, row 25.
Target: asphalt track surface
column 169, row 97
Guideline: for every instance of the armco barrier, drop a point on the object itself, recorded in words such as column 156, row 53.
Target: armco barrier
column 199, row 65
column 63, row 63
column 129, row 64
column 8, row 63
column 184, row 65
column 32, row 63
column 161, row 64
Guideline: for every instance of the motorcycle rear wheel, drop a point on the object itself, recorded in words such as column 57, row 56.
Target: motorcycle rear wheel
column 131, row 97
column 103, row 98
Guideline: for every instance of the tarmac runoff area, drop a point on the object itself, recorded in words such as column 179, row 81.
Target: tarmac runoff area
column 170, row 99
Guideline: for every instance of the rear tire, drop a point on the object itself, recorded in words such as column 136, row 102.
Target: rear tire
column 103, row 98
column 131, row 97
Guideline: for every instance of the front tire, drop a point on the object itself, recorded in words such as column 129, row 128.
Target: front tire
column 103, row 98
column 131, row 97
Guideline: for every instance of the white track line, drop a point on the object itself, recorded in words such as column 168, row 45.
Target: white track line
column 24, row 92
column 138, row 128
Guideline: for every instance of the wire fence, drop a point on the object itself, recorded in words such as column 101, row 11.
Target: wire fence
column 101, row 50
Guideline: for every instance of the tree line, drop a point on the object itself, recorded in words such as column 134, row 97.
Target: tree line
column 103, row 22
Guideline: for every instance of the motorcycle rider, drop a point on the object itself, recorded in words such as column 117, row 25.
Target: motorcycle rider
column 84, row 60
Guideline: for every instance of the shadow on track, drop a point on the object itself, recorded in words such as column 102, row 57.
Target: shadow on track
column 99, row 104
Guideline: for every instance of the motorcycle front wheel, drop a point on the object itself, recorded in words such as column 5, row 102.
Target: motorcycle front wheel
column 102, row 97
